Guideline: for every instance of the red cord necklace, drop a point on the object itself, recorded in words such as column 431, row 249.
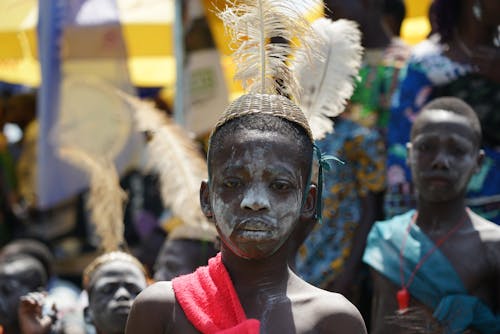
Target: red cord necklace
column 403, row 295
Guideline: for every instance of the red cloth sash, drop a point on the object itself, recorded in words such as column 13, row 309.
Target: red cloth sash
column 210, row 302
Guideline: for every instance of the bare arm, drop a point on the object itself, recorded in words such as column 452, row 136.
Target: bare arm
column 152, row 310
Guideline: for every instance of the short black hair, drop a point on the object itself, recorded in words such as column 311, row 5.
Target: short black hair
column 456, row 106
column 263, row 122
column 30, row 247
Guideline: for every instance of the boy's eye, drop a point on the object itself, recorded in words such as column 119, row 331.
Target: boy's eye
column 232, row 183
column 9, row 288
column 456, row 150
column 133, row 288
column 108, row 288
column 280, row 185
column 423, row 147
column 6, row 289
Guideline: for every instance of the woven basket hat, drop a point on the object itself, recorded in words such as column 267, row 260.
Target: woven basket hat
column 265, row 104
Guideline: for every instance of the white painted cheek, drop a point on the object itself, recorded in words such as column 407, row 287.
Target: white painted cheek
column 464, row 177
column 223, row 217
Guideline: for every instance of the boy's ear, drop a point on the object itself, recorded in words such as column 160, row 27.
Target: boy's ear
column 309, row 208
column 479, row 161
column 408, row 152
column 206, row 207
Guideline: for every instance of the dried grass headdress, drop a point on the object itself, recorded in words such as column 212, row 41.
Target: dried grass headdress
column 181, row 167
column 105, row 202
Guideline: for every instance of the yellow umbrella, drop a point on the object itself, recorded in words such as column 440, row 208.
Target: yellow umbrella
column 146, row 27
column 18, row 48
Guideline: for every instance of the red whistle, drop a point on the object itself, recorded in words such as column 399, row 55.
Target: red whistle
column 403, row 298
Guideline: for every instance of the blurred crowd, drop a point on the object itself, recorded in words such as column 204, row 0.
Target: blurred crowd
column 53, row 278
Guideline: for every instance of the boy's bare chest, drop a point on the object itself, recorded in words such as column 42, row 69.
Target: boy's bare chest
column 470, row 260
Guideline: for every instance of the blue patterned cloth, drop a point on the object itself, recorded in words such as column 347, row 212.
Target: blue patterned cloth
column 323, row 254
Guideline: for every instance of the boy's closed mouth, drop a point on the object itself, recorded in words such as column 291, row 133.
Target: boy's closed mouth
column 254, row 225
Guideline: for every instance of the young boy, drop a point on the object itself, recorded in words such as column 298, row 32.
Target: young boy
column 437, row 269
column 259, row 190
column 112, row 282
column 19, row 275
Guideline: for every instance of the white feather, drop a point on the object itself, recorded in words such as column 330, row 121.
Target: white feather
column 261, row 65
column 328, row 80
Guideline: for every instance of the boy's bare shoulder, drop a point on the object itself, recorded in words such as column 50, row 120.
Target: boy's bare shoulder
column 157, row 294
column 151, row 309
column 330, row 310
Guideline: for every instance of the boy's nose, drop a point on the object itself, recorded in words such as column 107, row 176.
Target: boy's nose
column 255, row 199
column 441, row 161
column 122, row 294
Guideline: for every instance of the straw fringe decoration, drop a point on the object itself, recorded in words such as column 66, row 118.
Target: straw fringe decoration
column 106, row 197
column 179, row 163
column 328, row 79
column 261, row 65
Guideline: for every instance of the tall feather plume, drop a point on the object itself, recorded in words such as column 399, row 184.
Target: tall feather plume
column 106, row 197
column 328, row 80
column 179, row 163
column 261, row 65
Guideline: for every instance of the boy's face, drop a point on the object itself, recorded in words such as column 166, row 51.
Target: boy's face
column 443, row 155
column 256, row 192
column 114, row 287
column 17, row 278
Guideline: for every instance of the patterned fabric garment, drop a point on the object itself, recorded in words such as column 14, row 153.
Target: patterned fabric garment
column 324, row 252
column 430, row 74
column 378, row 78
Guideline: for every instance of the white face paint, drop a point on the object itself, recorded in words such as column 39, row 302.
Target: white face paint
column 257, row 189
column 443, row 156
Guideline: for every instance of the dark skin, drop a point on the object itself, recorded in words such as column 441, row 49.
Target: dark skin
column 443, row 155
column 32, row 320
column 368, row 14
column 472, row 42
column 182, row 256
column 256, row 198
column 112, row 289
column 17, row 278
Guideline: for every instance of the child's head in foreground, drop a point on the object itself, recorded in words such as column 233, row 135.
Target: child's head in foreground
column 259, row 164
column 444, row 151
